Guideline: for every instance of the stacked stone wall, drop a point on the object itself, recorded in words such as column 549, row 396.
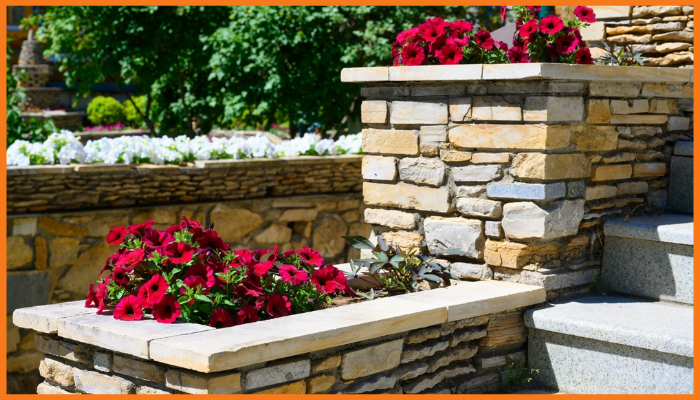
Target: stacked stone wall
column 663, row 34
column 520, row 175
column 456, row 357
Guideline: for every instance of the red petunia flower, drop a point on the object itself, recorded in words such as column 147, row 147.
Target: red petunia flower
column 528, row 28
column 483, row 38
column 341, row 282
column 412, row 54
column 153, row 291
column 178, row 252
column 262, row 268
column 534, row 9
column 117, row 235
column 551, row 24
column 434, row 48
column 585, row 14
column 518, row 55
column 130, row 259
column 501, row 45
column 410, row 36
column 565, row 44
column 460, row 28
column 155, row 238
column 120, row 276
column 310, row 257
column 278, row 305
column 325, row 279
column 220, row 318
column 101, row 295
column 128, row 309
column 194, row 282
column 450, row 54
column 91, row 297
column 247, row 313
column 211, row 240
column 139, row 230
column 293, row 275
column 583, row 56
column 459, row 42
column 167, row 310
column 504, row 9
column 206, row 272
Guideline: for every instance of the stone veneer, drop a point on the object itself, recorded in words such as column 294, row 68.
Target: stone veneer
column 449, row 340
column 518, row 165
column 94, row 186
column 664, row 34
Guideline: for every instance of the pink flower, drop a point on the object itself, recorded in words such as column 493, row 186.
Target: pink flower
column 504, row 9
column 460, row 28
column 310, row 257
column 117, row 235
column 566, row 44
column 278, row 305
column 140, row 229
column 518, row 55
column 483, row 38
column 247, row 313
column 128, row 309
column 153, row 291
column 120, row 276
column 432, row 32
column 450, row 54
column 204, row 271
column 583, row 56
column 293, row 275
column 551, row 24
column 528, row 28
column 585, row 14
column 220, row 318
column 167, row 310
column 131, row 259
column 178, row 252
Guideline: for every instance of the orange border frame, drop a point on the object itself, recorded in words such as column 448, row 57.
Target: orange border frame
column 3, row 149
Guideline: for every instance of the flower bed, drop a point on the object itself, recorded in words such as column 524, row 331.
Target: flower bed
column 64, row 148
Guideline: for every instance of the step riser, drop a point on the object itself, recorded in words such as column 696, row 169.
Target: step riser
column 646, row 268
column 585, row 366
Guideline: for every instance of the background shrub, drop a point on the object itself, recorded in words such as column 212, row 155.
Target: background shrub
column 105, row 111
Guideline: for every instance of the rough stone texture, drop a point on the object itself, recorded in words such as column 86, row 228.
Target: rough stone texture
column 611, row 172
column 374, row 112
column 469, row 271
column 480, row 208
column 391, row 218
column 382, row 141
column 418, row 112
column 138, row 369
column 526, row 191
column 27, row 289
column 553, row 109
column 320, row 383
column 280, row 372
column 97, row 383
column 455, row 156
column 19, row 252
column 594, row 138
column 45, row 388
column 371, row 360
column 430, row 380
column 433, row 133
column 460, row 109
column 455, row 233
column 426, row 171
column 551, row 166
column 407, row 197
column 681, row 184
column 476, row 173
column 490, row 158
column 521, row 137
column 290, row 388
column 57, row 372
column 496, row 108
column 374, row 383
column 326, row 363
column 597, row 111
column 198, row 383
column 379, row 168
column 525, row 220
column 493, row 229
column 636, row 106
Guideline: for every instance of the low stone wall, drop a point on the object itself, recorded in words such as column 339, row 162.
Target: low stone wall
column 95, row 186
column 665, row 32
column 518, row 165
column 54, row 257
column 442, row 341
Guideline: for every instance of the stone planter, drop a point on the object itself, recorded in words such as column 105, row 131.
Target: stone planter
column 438, row 341
column 518, row 165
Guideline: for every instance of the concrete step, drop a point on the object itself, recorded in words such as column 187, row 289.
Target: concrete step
column 650, row 257
column 680, row 186
column 612, row 345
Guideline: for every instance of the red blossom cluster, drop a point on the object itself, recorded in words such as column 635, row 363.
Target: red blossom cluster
column 189, row 273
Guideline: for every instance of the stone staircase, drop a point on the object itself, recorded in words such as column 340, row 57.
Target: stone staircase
column 639, row 337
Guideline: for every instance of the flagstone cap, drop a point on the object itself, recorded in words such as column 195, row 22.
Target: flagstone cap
column 477, row 72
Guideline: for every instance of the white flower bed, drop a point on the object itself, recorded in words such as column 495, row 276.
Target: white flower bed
column 64, row 148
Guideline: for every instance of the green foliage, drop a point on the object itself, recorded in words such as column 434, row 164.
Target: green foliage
column 511, row 378
column 399, row 269
column 623, row 56
column 105, row 111
column 131, row 111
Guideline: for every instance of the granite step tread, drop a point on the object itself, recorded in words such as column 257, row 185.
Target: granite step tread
column 663, row 327
column 683, row 149
column 669, row 228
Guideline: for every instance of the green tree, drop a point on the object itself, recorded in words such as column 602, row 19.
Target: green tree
column 158, row 49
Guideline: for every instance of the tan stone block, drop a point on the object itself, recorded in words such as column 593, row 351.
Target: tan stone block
column 663, row 106
column 13, row 338
column 611, row 172
column 278, row 372
column 436, row 90
column 553, row 109
column 290, row 388
column 59, row 228
column 392, row 218
column 593, row 32
column 551, row 166
column 600, row 192
column 643, row 11
column 607, row 89
column 371, row 359
column 23, row 363
column 594, row 138
column 384, row 141
column 520, row 137
column 85, row 269
column 45, row 388
column 407, row 197
column 102, row 224
column 597, row 111
column 636, row 106
column 627, row 39
column 366, row 74
column 198, row 383
column 233, row 224
column 429, row 149
column 326, row 363
column 418, row 112
column 506, row 254
column 379, row 168
column 632, row 188
column 147, row 371
column 455, row 155
column 632, row 145
column 374, row 112
column 433, row 133
column 299, row 214
column 41, row 253
column 63, row 251
column 56, row 371
column 649, row 170
column 667, row 90
column 685, row 35
column 19, row 253
column 620, row 30
column 24, row 226
column 320, row 383
column 460, row 109
column 490, row 158
column 403, row 239
column 619, row 158
column 638, row 119
column 328, row 232
column 605, row 12
column 96, row 383
column 496, row 108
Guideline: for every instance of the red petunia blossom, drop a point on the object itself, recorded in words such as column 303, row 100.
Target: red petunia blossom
column 153, row 291
column 102, row 295
column 534, row 9
column 130, row 259
column 460, row 28
column 585, row 14
column 325, row 279
column 341, row 283
column 565, row 44
column 120, row 276
column 117, row 235
column 262, row 268
column 247, row 313
column 483, row 38
column 139, row 230
column 178, row 252
column 551, row 24
column 206, row 272
column 128, row 309
column 433, row 48
column 410, row 36
column 155, row 238
column 518, row 55
column 194, row 282
column 396, row 62
column 278, row 305
column 459, row 42
column 310, row 257
column 293, row 275
column 583, row 56
column 412, row 54
column 528, row 28
column 211, row 240
column 91, row 297
column 501, row 45
column 220, row 318
column 167, row 310
column 504, row 9
column 450, row 54
column 189, row 225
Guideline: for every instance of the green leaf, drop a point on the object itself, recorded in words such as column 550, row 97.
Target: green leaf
column 202, row 298
column 359, row 242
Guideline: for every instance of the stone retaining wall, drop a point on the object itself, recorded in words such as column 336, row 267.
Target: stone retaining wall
column 665, row 32
column 95, row 186
column 518, row 165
